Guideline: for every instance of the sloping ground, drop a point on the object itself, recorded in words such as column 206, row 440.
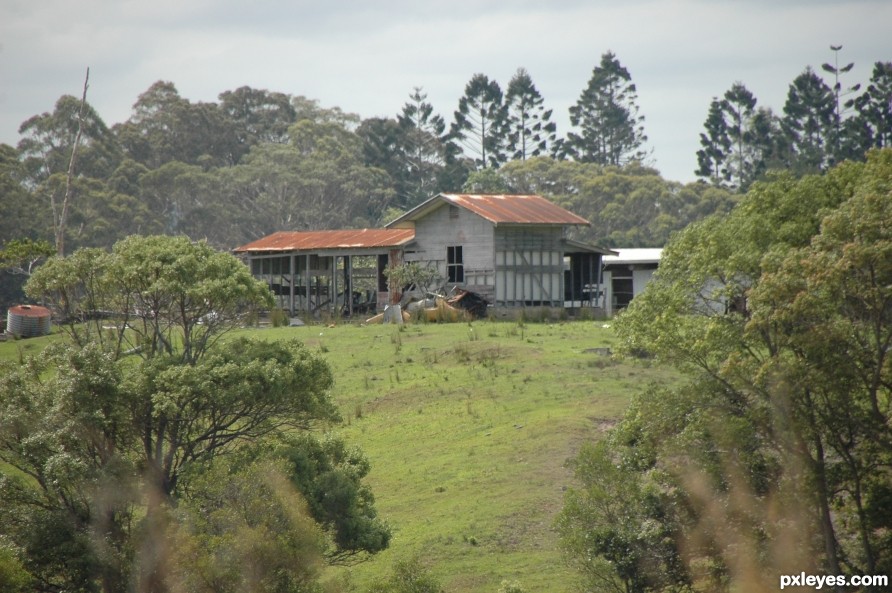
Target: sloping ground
column 468, row 428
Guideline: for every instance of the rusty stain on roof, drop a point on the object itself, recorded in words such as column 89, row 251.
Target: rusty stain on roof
column 515, row 209
column 29, row 311
column 499, row 209
column 336, row 239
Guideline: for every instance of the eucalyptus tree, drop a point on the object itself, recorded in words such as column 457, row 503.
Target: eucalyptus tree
column 165, row 127
column 809, row 123
column 259, row 115
column 530, row 131
column 479, row 124
column 48, row 140
column 611, row 132
column 779, row 314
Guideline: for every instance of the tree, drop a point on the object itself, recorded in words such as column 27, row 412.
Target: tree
column 530, row 131
column 171, row 297
column 165, row 127
column 425, row 150
column 103, row 453
column 245, row 529
column 610, row 527
column 611, row 131
column 844, row 146
column 48, row 141
column 260, row 115
column 479, row 122
column 739, row 107
column 809, row 123
column 716, row 146
column 20, row 256
column 778, row 313
column 874, row 108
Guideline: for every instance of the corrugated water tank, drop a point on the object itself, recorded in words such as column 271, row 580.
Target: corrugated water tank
column 28, row 321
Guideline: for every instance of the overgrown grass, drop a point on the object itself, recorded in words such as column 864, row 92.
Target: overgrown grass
column 468, row 427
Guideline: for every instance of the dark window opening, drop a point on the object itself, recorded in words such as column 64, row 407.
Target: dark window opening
column 455, row 268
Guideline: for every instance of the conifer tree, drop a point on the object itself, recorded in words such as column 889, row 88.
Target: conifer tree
column 716, row 145
column 424, row 148
column 479, row 126
column 809, row 123
column 611, row 131
column 530, row 131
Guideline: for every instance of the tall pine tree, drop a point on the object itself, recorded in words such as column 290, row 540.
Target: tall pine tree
column 611, row 131
column 809, row 123
column 424, row 148
column 530, row 131
column 874, row 105
column 479, row 126
column 715, row 144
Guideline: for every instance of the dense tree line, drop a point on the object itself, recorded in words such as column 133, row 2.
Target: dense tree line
column 257, row 161
column 774, row 456
column 822, row 124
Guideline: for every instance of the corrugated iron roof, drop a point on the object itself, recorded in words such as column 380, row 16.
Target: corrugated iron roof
column 337, row 239
column 500, row 209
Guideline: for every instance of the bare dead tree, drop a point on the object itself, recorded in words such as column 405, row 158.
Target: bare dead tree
column 60, row 220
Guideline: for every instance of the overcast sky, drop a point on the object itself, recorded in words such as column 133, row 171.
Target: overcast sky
column 366, row 56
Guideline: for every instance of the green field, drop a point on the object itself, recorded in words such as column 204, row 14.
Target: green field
column 468, row 428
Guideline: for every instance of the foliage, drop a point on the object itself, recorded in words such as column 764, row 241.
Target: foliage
column 614, row 526
column 610, row 130
column 245, row 529
column 329, row 474
column 409, row 274
column 630, row 206
column 112, row 469
column 809, row 123
column 167, row 295
column 779, row 314
column 19, row 256
column 530, row 131
column 479, row 122
column 409, row 576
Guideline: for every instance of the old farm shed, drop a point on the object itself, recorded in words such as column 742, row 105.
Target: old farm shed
column 513, row 250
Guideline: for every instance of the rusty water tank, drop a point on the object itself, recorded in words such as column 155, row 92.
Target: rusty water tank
column 28, row 321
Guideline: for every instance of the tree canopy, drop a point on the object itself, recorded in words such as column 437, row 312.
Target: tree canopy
column 142, row 450
column 779, row 315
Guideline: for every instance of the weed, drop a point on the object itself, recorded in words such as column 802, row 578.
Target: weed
column 278, row 318
column 357, row 411
column 462, row 353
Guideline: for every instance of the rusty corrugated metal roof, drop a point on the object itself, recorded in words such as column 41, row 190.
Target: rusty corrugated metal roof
column 337, row 239
column 501, row 209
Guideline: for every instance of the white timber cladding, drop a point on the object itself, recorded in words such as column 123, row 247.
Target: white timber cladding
column 450, row 226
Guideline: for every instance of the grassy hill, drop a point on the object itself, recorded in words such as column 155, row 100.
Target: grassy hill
column 468, row 428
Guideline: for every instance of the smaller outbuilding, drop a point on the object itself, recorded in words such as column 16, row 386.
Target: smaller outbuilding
column 626, row 274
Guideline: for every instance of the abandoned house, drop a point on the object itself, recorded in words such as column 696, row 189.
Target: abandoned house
column 513, row 250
